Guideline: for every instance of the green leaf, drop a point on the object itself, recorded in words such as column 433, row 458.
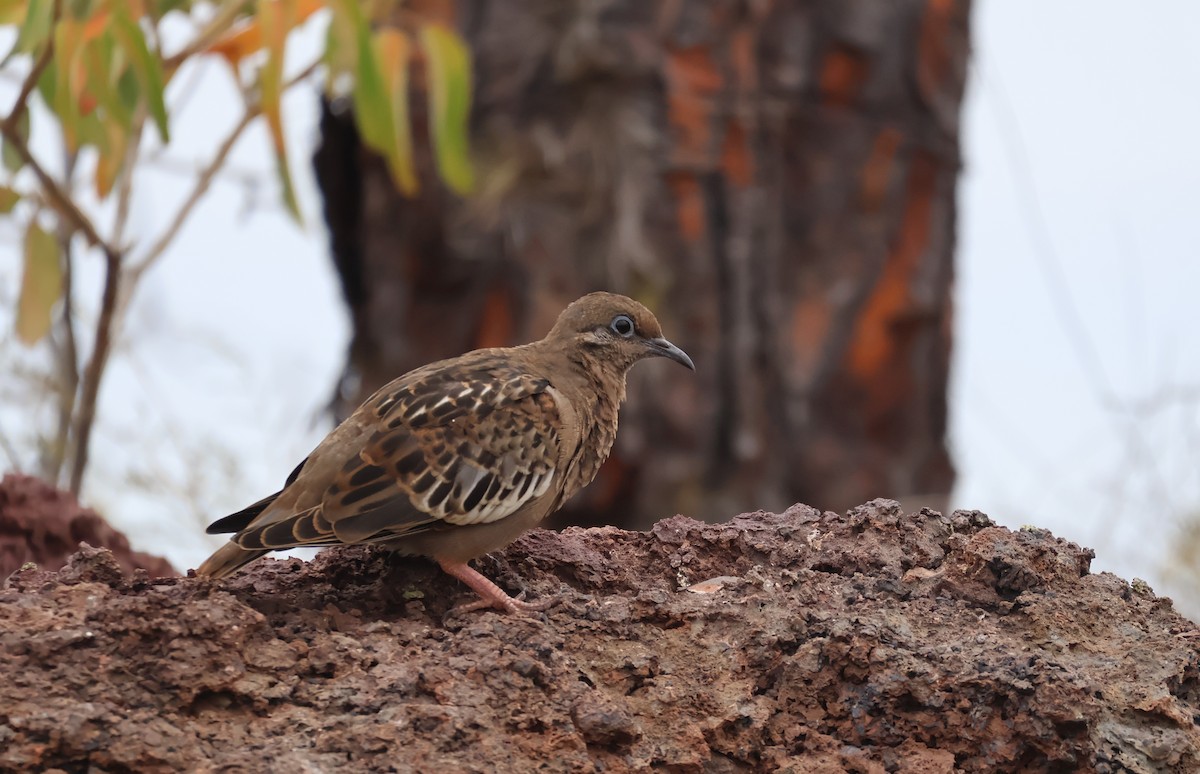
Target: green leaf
column 35, row 30
column 449, row 70
column 380, row 88
column 13, row 12
column 91, row 131
column 80, row 9
column 8, row 154
column 127, row 90
column 8, row 199
column 41, row 284
column 276, row 19
column 391, row 49
column 68, row 36
column 372, row 112
column 146, row 66
column 160, row 8
column 113, row 145
column 104, row 63
column 341, row 49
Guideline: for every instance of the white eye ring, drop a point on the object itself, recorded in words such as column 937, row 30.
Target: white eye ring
column 622, row 325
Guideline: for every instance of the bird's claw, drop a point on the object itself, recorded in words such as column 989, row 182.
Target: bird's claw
column 512, row 605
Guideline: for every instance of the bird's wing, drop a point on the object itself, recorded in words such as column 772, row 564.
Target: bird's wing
column 448, row 447
column 236, row 522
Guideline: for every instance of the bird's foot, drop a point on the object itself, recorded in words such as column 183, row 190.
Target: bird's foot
column 514, row 605
column 490, row 595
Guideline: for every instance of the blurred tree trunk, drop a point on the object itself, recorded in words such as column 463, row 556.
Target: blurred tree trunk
column 775, row 179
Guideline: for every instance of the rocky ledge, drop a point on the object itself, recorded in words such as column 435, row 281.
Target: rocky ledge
column 803, row 641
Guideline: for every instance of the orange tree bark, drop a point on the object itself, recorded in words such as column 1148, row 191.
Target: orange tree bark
column 775, row 179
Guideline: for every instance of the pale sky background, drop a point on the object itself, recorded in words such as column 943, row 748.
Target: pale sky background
column 1076, row 383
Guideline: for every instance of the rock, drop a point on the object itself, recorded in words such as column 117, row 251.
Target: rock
column 802, row 641
column 43, row 525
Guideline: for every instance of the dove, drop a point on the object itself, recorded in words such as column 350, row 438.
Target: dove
column 458, row 458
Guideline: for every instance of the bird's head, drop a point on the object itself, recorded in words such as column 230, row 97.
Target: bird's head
column 614, row 329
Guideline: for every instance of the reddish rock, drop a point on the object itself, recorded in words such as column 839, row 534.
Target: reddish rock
column 802, row 642
column 44, row 525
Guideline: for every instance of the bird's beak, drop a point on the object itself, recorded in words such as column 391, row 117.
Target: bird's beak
column 664, row 348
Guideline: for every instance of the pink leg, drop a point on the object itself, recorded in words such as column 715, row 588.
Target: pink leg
column 490, row 595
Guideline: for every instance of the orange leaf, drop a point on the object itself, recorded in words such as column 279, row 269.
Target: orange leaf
column 277, row 18
column 95, row 26
column 247, row 38
column 110, row 161
column 393, row 49
column 238, row 44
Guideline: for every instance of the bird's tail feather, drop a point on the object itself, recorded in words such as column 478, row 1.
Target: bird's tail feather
column 227, row 559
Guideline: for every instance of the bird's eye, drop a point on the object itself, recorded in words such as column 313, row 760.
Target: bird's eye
column 622, row 325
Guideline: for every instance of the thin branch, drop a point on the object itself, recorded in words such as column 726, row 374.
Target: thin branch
column 218, row 25
column 72, row 218
column 207, row 175
column 86, row 415
column 125, row 185
column 70, row 214
column 10, row 451
column 68, row 352
column 68, row 363
column 190, row 87
column 198, row 190
column 112, row 306
column 29, row 84
column 244, row 176
column 56, row 197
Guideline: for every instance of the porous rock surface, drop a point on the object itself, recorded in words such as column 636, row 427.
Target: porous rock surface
column 804, row 641
column 45, row 525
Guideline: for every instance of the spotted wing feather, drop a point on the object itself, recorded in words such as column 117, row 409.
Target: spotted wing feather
column 449, row 448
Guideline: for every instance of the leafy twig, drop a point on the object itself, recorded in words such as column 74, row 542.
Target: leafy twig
column 218, row 25
column 58, row 198
column 119, row 280
column 207, row 175
column 55, row 195
column 111, row 310
column 29, row 84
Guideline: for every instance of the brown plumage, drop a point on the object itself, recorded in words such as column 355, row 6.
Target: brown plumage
column 458, row 458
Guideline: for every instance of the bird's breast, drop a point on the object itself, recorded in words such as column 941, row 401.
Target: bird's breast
column 597, row 432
